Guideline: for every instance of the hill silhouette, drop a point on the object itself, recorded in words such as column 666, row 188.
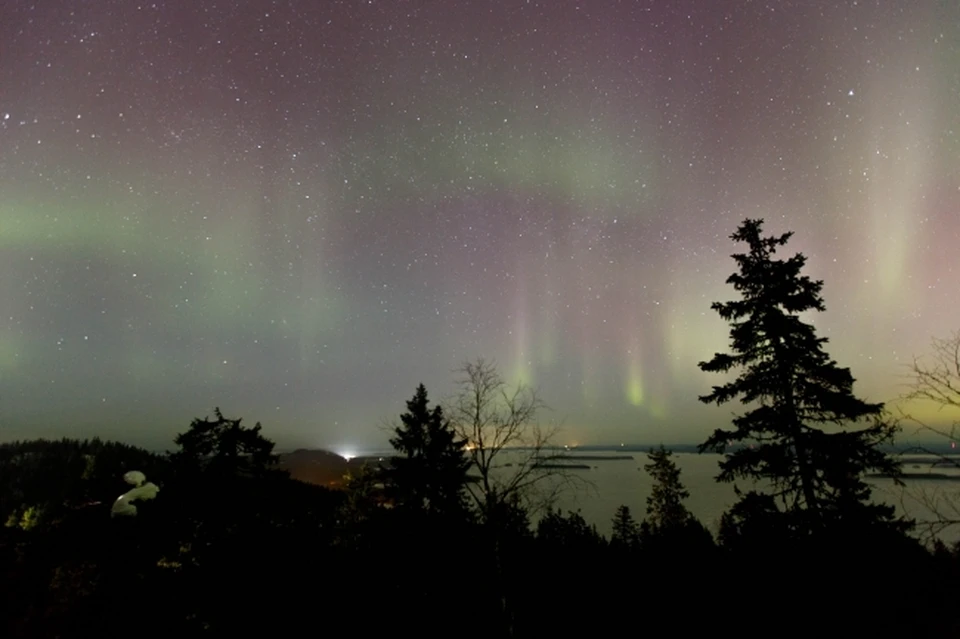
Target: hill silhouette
column 321, row 467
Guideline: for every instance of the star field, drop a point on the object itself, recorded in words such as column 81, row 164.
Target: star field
column 297, row 211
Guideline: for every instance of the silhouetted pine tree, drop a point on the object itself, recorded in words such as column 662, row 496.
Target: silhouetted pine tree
column 795, row 390
column 665, row 509
column 430, row 473
column 669, row 528
column 568, row 533
column 626, row 530
column 426, row 483
column 225, row 448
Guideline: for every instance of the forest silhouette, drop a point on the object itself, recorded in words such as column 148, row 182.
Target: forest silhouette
column 456, row 534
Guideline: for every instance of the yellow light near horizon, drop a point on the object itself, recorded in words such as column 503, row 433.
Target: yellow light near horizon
column 926, row 414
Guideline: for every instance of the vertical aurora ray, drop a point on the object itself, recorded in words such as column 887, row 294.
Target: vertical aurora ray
column 11, row 347
column 634, row 389
column 643, row 388
column 521, row 367
column 897, row 138
column 547, row 302
column 547, row 351
column 588, row 345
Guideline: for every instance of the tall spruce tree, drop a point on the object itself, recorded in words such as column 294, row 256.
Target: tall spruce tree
column 669, row 528
column 795, row 439
column 626, row 530
column 665, row 509
column 430, row 473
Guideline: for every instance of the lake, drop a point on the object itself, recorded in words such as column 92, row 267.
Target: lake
column 615, row 482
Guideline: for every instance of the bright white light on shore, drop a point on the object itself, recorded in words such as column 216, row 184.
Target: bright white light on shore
column 348, row 455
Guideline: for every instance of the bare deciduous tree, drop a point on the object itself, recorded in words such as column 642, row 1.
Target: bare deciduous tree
column 506, row 441
column 509, row 449
column 935, row 380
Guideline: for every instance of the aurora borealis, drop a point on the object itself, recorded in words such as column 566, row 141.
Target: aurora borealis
column 297, row 211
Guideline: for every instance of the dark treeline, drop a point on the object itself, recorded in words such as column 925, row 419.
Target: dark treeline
column 455, row 534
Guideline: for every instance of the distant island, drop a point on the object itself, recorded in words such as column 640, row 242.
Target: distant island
column 590, row 457
column 320, row 467
column 566, row 466
column 917, row 476
column 902, row 447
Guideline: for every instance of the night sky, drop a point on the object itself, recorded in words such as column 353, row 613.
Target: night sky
column 297, row 211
